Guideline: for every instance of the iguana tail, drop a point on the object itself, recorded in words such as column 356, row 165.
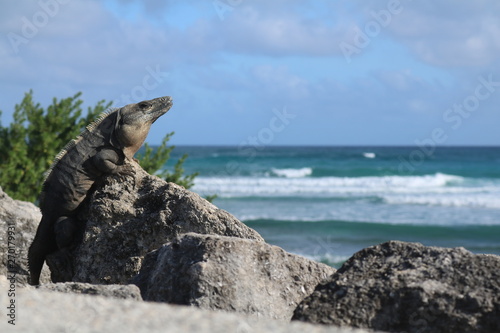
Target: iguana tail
column 43, row 244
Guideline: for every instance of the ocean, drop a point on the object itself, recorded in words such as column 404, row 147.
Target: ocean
column 326, row 203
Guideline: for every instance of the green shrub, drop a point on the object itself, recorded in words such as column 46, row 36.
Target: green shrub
column 153, row 161
column 29, row 145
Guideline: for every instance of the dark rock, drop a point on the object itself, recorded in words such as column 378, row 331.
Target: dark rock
column 19, row 220
column 126, row 218
column 116, row 291
column 230, row 274
column 407, row 287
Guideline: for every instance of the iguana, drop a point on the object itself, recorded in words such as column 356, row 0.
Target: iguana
column 104, row 147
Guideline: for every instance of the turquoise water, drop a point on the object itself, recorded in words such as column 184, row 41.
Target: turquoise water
column 326, row 203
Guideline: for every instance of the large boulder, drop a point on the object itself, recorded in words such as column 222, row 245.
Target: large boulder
column 231, row 274
column 409, row 287
column 18, row 223
column 127, row 217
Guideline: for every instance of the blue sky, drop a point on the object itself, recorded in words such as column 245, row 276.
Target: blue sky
column 281, row 72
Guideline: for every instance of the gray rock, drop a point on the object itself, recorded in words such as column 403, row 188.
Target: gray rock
column 409, row 287
column 43, row 311
column 112, row 290
column 21, row 220
column 127, row 218
column 230, row 274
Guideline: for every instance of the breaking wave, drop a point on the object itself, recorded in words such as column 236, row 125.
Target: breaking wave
column 438, row 189
column 292, row 173
column 369, row 155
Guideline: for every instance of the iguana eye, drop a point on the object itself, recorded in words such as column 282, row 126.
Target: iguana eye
column 144, row 105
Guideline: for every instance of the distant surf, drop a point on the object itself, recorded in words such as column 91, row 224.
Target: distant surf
column 369, row 155
column 292, row 173
column 341, row 199
column 437, row 189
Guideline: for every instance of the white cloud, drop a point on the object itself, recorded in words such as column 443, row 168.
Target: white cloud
column 446, row 33
column 84, row 52
column 278, row 81
column 253, row 30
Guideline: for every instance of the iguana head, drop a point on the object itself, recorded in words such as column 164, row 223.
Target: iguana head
column 134, row 121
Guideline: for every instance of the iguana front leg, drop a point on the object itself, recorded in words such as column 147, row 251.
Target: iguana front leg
column 108, row 160
column 111, row 161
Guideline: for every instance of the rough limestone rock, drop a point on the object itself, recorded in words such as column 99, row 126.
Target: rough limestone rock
column 21, row 219
column 126, row 219
column 43, row 311
column 230, row 274
column 116, row 291
column 407, row 287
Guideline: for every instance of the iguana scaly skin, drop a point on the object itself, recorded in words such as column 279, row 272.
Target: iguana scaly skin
column 103, row 148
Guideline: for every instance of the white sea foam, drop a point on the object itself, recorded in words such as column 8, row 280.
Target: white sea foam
column 438, row 189
column 487, row 200
column 243, row 186
column 369, row 155
column 293, row 173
